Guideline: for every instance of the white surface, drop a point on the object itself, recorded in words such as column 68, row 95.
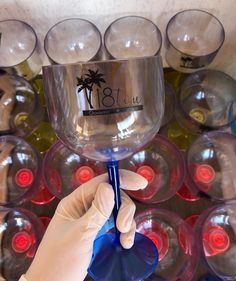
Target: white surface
column 42, row 14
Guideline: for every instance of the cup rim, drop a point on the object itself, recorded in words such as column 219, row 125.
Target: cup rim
column 35, row 41
column 159, row 57
column 66, row 20
column 201, row 11
column 132, row 16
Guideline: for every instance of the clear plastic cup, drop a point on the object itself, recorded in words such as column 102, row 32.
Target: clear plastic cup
column 73, row 40
column 170, row 104
column 216, row 229
column 20, row 234
column 206, row 101
column 162, row 164
column 19, row 170
column 64, row 170
column 189, row 46
column 132, row 36
column 20, row 108
column 211, row 162
column 19, row 48
column 175, row 240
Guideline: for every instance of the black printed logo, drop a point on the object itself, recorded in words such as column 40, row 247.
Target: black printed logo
column 102, row 99
column 191, row 62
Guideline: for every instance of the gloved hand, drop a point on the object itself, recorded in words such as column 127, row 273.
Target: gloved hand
column 66, row 249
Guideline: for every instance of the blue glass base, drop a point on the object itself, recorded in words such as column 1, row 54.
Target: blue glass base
column 110, row 262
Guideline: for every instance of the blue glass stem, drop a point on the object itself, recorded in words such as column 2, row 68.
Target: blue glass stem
column 114, row 180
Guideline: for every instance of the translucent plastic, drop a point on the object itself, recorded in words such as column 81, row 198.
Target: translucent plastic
column 20, row 109
column 211, row 162
column 72, row 40
column 19, row 170
column 20, row 234
column 19, row 50
column 162, row 164
column 216, row 228
column 139, row 261
column 132, row 36
column 207, row 101
column 106, row 110
column 186, row 194
column 178, row 134
column 189, row 46
column 64, row 170
column 102, row 111
column 175, row 240
column 43, row 137
column 170, row 104
column 43, row 194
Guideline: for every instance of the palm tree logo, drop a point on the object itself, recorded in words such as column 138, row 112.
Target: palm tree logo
column 186, row 62
column 86, row 83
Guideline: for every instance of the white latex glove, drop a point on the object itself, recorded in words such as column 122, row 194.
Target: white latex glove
column 66, row 249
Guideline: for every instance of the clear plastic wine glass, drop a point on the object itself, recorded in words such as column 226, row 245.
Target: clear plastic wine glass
column 19, row 171
column 176, row 243
column 106, row 111
column 20, row 108
column 189, row 46
column 216, row 231
column 211, row 162
column 64, row 170
column 21, row 232
column 73, row 40
column 19, row 48
column 206, row 101
column 163, row 166
column 132, row 36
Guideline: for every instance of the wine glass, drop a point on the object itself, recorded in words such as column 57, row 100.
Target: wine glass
column 72, row 40
column 19, row 170
column 20, row 108
column 216, row 231
column 206, row 101
column 64, row 170
column 176, row 243
column 163, row 166
column 21, row 232
column 211, row 162
column 106, row 111
column 19, row 48
column 189, row 46
column 132, row 36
